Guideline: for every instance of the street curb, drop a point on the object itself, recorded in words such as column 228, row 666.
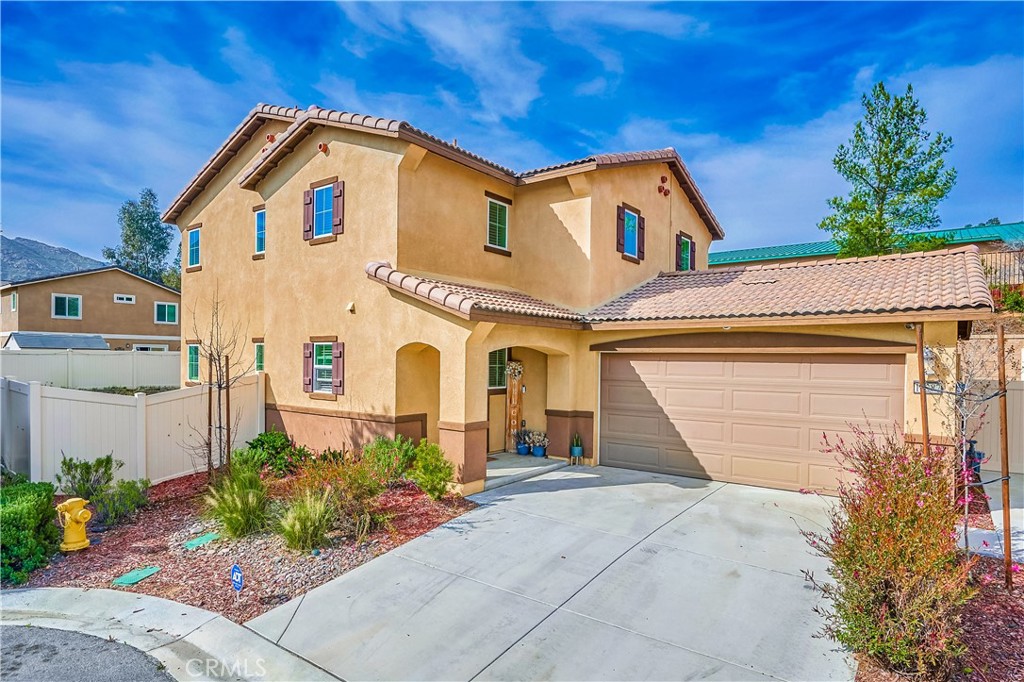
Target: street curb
column 191, row 643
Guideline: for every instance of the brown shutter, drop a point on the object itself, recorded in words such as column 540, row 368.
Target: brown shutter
column 620, row 229
column 640, row 234
column 338, row 207
column 307, row 367
column 679, row 252
column 307, row 214
column 693, row 255
column 338, row 367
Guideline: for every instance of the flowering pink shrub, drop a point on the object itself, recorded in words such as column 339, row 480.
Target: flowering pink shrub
column 899, row 579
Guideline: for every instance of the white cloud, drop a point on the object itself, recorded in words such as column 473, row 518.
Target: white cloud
column 772, row 189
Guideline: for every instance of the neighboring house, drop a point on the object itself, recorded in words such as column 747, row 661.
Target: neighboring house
column 988, row 238
column 384, row 278
column 128, row 311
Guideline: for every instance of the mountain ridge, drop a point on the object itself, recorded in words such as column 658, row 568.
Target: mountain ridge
column 22, row 258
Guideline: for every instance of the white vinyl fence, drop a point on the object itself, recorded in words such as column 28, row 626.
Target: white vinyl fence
column 92, row 368
column 988, row 437
column 157, row 436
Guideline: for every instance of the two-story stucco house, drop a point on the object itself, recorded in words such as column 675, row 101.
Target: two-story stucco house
column 386, row 277
column 129, row 312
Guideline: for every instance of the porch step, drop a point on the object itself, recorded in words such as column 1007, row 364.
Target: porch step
column 499, row 481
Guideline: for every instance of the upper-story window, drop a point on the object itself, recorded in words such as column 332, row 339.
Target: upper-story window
column 14, row 301
column 124, row 298
column 685, row 252
column 496, row 362
column 261, row 230
column 67, row 306
column 631, row 243
column 323, row 211
column 165, row 313
column 258, row 362
column 497, row 223
column 193, row 248
column 630, row 233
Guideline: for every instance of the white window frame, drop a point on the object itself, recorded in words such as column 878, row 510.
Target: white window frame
column 504, row 377
column 636, row 233
column 329, row 211
column 329, row 367
column 198, row 252
column 259, row 349
column 508, row 211
column 156, row 314
column 150, row 347
column 53, row 307
column 188, row 361
column 127, row 299
column 686, row 246
column 14, row 301
column 256, row 231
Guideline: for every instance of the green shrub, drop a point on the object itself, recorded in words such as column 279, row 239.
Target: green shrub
column 390, row 458
column 239, row 502
column 81, row 478
column 271, row 442
column 308, row 518
column 121, row 501
column 899, row 581
column 357, row 487
column 1010, row 298
column 248, row 458
column 432, row 472
column 28, row 534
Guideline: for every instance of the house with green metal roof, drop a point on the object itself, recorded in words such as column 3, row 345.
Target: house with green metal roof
column 988, row 238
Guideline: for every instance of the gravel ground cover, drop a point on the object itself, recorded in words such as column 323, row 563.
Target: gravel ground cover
column 201, row 577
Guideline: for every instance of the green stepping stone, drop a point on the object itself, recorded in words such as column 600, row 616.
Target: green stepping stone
column 201, row 540
column 136, row 576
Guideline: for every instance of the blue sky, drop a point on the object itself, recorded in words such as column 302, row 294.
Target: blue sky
column 99, row 100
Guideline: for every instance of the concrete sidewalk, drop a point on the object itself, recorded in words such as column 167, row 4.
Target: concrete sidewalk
column 995, row 502
column 191, row 643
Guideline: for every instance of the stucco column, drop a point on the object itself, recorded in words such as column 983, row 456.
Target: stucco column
column 462, row 428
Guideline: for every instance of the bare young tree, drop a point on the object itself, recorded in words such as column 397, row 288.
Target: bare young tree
column 221, row 349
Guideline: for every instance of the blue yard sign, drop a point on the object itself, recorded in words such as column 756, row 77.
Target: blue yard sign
column 236, row 578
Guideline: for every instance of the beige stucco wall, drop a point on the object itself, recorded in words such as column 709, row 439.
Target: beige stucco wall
column 100, row 315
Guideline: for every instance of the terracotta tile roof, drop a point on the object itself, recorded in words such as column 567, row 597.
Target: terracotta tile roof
column 253, row 121
column 951, row 279
column 468, row 301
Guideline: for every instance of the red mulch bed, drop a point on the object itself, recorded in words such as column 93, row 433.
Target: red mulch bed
column 201, row 577
column 993, row 621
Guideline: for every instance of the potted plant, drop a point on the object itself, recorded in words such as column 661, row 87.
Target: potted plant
column 539, row 443
column 521, row 437
column 576, row 446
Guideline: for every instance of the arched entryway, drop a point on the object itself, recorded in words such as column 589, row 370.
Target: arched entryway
column 417, row 391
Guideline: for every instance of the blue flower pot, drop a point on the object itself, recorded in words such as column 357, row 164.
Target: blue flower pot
column 575, row 451
column 523, row 449
column 539, row 451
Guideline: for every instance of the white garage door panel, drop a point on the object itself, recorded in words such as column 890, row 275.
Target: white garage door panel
column 754, row 419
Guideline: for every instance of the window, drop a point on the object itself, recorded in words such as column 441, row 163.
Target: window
column 166, row 313
column 261, row 231
column 150, row 347
column 258, row 364
column 323, row 213
column 67, row 306
column 323, row 368
column 496, row 361
column 124, row 298
column 193, row 248
column 14, row 301
column 684, row 252
column 630, row 234
column 193, row 362
column 497, row 224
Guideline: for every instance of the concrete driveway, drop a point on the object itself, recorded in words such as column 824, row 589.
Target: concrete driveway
column 582, row 574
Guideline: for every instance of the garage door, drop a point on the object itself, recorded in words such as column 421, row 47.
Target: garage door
column 755, row 419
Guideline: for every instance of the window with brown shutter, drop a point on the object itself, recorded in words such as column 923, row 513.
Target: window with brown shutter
column 338, row 368
column 307, row 367
column 307, row 219
column 685, row 252
column 338, row 207
column 630, row 233
column 641, row 235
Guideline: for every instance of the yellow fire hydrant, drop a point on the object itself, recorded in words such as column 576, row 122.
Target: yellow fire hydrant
column 72, row 516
